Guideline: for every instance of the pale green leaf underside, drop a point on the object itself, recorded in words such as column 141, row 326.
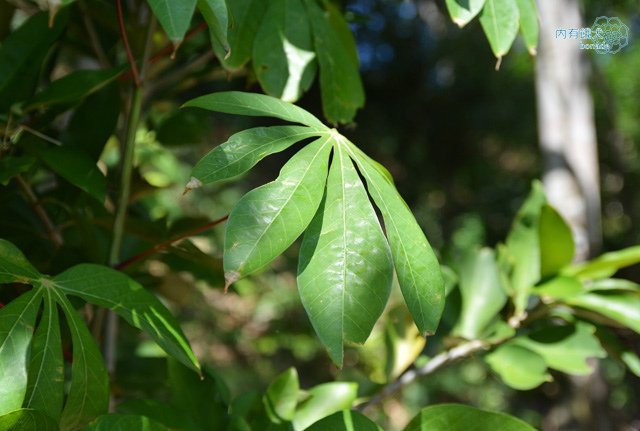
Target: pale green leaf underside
column 499, row 19
column 463, row 11
column 345, row 270
column 518, row 367
column 174, row 16
column 324, row 400
column 281, row 398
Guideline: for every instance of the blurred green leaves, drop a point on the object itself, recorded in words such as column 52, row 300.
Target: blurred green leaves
column 456, row 417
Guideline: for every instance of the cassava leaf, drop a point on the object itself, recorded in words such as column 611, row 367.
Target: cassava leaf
column 14, row 267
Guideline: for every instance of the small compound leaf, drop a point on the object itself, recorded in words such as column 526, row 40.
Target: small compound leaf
column 345, row 420
column 109, row 288
column 620, row 307
column 340, row 83
column 174, row 17
column 416, row 265
column 283, row 57
column 282, row 396
column 120, row 422
column 463, row 11
column 556, row 242
column 323, row 401
column 17, row 320
column 518, row 367
column 499, row 19
column 27, row 420
column 253, row 104
column 457, row 417
column 45, row 389
column 529, row 24
column 244, row 149
column 268, row 219
column 345, row 270
column 216, row 15
column 14, row 267
column 89, row 390
column 606, row 265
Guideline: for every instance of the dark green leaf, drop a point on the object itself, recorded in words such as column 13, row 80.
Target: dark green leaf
column 283, row 57
column 623, row 308
column 556, row 242
column 14, row 267
column 463, row 11
column 12, row 166
column 518, row 367
column 119, row 422
column 17, row 320
column 253, row 104
column 607, row 264
column 216, row 15
column 109, row 288
column 529, row 23
column 174, row 16
column 500, row 21
column 163, row 413
column 88, row 395
column 345, row 270
column 282, row 396
column 416, row 265
column 267, row 220
column 27, row 420
column 45, row 389
column 456, row 417
column 323, row 401
column 244, row 149
column 72, row 88
column 345, row 420
column 340, row 84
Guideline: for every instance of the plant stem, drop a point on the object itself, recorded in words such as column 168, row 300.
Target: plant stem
column 33, row 200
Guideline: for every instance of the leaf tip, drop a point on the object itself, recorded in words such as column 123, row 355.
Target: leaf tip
column 498, row 63
column 533, row 51
column 230, row 277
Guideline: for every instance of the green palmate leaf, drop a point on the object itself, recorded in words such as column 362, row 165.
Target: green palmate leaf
column 21, row 57
column 416, row 265
column 463, row 11
column 244, row 149
column 565, row 348
column 216, row 15
column 45, row 390
column 556, row 242
column 283, row 57
column 174, row 16
column 499, row 19
column 106, row 287
column 482, row 294
column 607, row 264
column 88, row 395
column 120, row 422
column 518, row 367
column 259, row 105
column 529, row 23
column 323, row 401
column 282, row 396
column 17, row 320
column 345, row 270
column 267, row 220
column 72, row 88
column 245, row 17
column 340, row 84
column 14, row 267
column 27, row 420
column 345, row 420
column 456, row 417
column 622, row 308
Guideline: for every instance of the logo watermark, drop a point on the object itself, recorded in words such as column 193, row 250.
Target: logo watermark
column 606, row 35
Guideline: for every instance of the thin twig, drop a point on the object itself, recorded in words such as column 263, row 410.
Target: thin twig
column 93, row 36
column 51, row 229
column 127, row 48
column 40, row 135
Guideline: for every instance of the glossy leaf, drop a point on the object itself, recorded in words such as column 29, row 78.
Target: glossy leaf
column 500, row 20
column 253, row 104
column 120, row 422
column 108, row 288
column 529, row 24
column 216, row 15
column 72, row 88
column 174, row 16
column 283, row 57
column 565, row 348
column 246, row 148
column 556, row 242
column 340, row 84
column 268, row 219
column 345, row 269
column 45, row 389
column 88, row 395
column 416, row 265
column 14, row 267
column 482, row 294
column 345, row 420
column 607, row 264
column 622, row 308
column 456, row 417
column 17, row 320
column 27, row 420
column 463, row 11
column 518, row 367
column 281, row 397
column 323, row 401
